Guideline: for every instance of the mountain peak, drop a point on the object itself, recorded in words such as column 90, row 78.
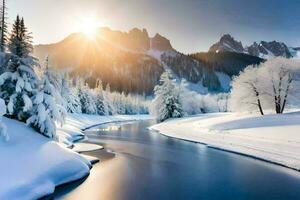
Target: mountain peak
column 262, row 49
column 269, row 49
column 160, row 43
column 227, row 43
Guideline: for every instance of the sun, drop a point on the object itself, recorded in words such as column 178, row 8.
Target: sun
column 89, row 26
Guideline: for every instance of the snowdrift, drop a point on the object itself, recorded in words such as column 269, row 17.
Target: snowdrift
column 32, row 165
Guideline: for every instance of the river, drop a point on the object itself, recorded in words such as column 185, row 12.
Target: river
column 140, row 164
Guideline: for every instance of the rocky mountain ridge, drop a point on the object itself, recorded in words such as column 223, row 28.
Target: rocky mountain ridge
column 133, row 62
column 261, row 49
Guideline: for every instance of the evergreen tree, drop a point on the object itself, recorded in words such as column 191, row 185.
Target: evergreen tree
column 17, row 86
column 167, row 102
column 87, row 100
column 20, row 41
column 3, row 27
column 70, row 96
column 110, row 109
column 99, row 98
column 45, row 110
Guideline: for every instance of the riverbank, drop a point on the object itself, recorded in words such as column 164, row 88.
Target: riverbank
column 33, row 165
column 72, row 130
column 273, row 138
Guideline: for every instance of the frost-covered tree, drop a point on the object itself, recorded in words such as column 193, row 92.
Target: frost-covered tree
column 17, row 86
column 3, row 131
column 167, row 102
column 100, row 102
column 87, row 99
column 70, row 96
column 55, row 76
column 195, row 103
column 128, row 104
column 67, row 94
column 108, row 98
column 46, row 112
column 281, row 83
column 270, row 86
column 247, row 93
column 74, row 105
column 20, row 40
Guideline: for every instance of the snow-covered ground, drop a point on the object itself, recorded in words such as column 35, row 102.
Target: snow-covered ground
column 275, row 138
column 33, row 165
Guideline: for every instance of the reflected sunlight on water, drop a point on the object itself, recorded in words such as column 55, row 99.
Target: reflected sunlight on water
column 108, row 128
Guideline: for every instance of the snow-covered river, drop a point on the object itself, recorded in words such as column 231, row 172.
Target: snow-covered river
column 147, row 165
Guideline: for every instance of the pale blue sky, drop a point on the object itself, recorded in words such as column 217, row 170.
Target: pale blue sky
column 191, row 25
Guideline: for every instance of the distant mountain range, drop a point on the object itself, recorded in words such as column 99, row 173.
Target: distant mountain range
column 133, row 62
column 261, row 49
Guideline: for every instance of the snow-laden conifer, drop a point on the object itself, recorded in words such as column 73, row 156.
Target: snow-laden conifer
column 46, row 112
column 167, row 102
column 17, row 86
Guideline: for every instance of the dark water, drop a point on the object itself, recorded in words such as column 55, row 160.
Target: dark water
column 147, row 165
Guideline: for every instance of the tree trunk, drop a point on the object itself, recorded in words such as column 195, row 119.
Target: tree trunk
column 286, row 94
column 258, row 100
column 277, row 105
column 3, row 27
column 260, row 108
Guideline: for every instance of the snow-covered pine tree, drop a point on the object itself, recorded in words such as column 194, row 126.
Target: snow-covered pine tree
column 55, row 75
column 69, row 95
column 118, row 102
column 20, row 40
column 75, row 101
column 46, row 112
column 3, row 27
column 17, row 86
column 99, row 98
column 18, row 82
column 109, row 107
column 167, row 102
column 87, row 100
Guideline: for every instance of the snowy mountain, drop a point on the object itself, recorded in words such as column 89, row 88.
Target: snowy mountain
column 117, row 58
column 227, row 44
column 269, row 49
column 262, row 49
column 133, row 62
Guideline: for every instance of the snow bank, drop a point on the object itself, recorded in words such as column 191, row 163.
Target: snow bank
column 273, row 138
column 32, row 165
column 85, row 147
column 71, row 131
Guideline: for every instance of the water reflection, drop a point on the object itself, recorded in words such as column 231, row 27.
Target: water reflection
column 147, row 165
column 108, row 128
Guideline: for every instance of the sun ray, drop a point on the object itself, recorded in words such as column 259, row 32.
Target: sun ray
column 89, row 26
